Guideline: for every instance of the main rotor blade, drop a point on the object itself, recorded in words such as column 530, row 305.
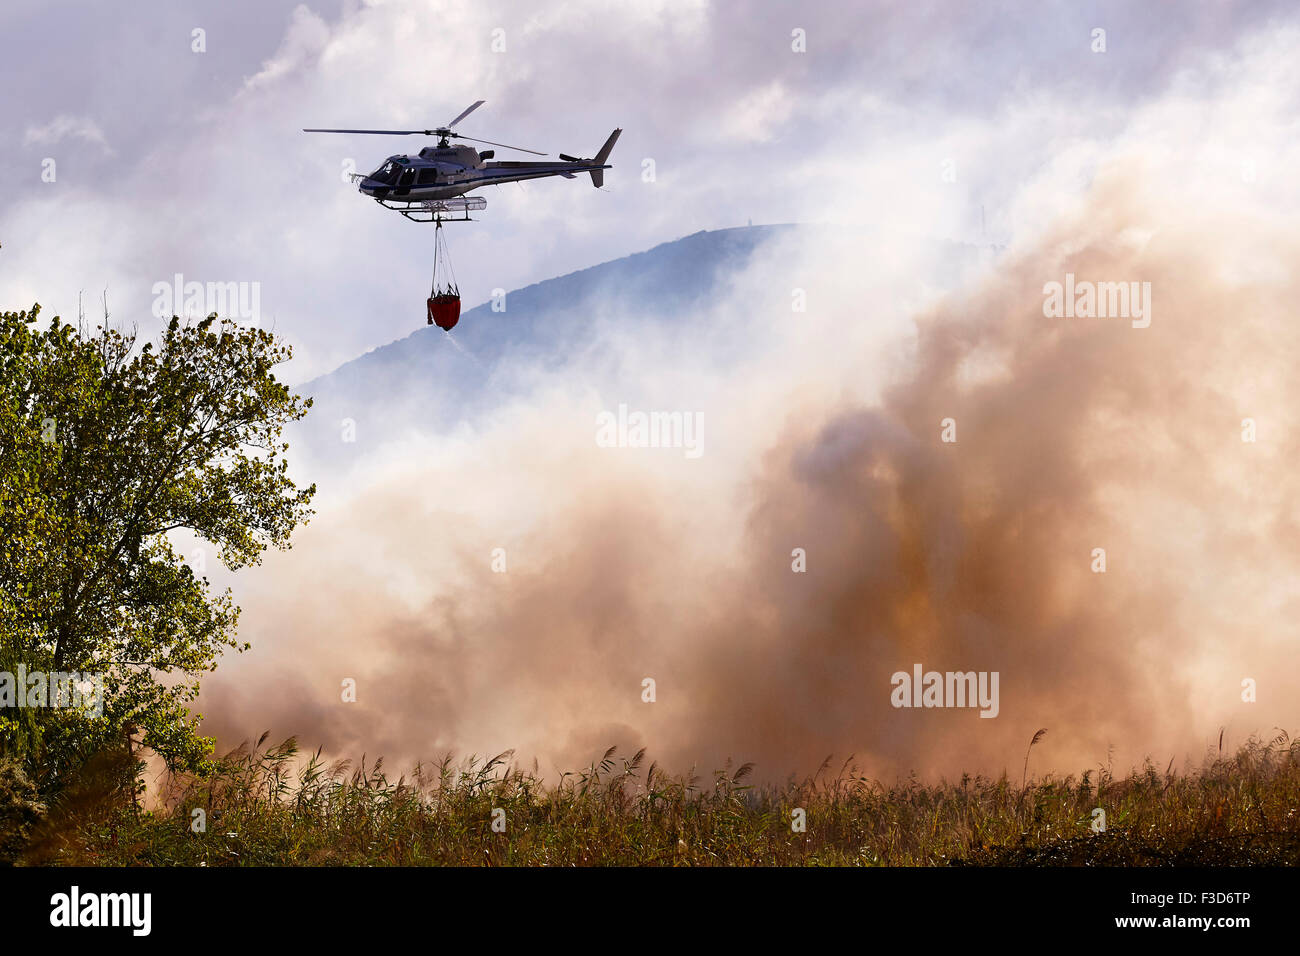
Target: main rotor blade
column 452, row 124
column 502, row 145
column 377, row 132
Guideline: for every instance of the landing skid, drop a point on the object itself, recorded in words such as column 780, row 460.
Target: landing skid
column 437, row 210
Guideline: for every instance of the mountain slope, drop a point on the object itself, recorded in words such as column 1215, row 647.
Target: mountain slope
column 431, row 381
column 434, row 380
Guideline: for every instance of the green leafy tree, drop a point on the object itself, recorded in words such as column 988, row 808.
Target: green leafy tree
column 107, row 451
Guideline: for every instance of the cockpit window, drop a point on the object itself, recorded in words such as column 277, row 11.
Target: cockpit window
column 386, row 173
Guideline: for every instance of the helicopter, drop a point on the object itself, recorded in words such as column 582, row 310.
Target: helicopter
column 431, row 185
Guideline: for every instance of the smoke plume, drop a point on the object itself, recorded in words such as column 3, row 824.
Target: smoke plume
column 1170, row 447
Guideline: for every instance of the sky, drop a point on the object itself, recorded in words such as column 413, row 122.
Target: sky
column 178, row 152
column 1159, row 151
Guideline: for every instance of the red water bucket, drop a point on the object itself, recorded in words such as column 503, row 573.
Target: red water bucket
column 444, row 311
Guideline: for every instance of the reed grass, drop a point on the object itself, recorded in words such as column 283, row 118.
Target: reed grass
column 272, row 806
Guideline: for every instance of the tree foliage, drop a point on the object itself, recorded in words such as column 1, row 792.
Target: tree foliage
column 108, row 451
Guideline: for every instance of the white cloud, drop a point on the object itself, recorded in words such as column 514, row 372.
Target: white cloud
column 65, row 126
column 307, row 37
column 758, row 116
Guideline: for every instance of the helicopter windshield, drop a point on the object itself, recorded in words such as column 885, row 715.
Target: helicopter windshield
column 387, row 173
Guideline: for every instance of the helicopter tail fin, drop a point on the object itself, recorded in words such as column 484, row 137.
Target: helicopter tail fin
column 598, row 175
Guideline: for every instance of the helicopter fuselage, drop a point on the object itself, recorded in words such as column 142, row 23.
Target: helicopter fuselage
column 434, row 173
column 445, row 172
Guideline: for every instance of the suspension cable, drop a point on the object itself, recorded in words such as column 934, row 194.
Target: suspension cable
column 440, row 251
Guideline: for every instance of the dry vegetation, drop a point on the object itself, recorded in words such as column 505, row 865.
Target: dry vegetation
column 268, row 806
